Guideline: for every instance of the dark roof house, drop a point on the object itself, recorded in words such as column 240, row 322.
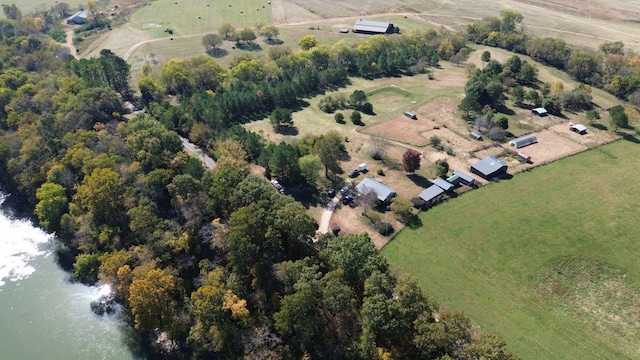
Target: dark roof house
column 78, row 18
column 489, row 168
column 372, row 27
column 383, row 192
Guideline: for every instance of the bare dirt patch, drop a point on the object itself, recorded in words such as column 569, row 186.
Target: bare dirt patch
column 449, row 138
column 444, row 111
column 550, row 146
column 592, row 138
column 404, row 130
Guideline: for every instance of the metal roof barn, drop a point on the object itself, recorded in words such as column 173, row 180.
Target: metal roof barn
column 444, row 184
column 372, row 27
column 523, row 141
column 383, row 192
column 465, row 178
column 489, row 167
column 431, row 193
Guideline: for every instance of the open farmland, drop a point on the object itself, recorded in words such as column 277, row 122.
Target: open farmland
column 26, row 6
column 516, row 255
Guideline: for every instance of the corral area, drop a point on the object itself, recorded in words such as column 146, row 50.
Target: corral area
column 517, row 255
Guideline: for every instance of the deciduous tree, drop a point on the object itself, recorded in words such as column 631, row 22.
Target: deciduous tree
column 411, row 160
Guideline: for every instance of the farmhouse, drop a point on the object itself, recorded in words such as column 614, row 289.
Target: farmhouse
column 523, row 141
column 383, row 192
column 372, row 27
column 78, row 18
column 540, row 111
column 464, row 177
column 430, row 194
column 443, row 184
column 489, row 168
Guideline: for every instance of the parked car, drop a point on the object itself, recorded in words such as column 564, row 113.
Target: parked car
column 354, row 173
column 277, row 185
column 331, row 193
column 347, row 200
column 344, row 191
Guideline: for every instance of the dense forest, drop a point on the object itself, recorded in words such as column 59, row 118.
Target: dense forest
column 211, row 263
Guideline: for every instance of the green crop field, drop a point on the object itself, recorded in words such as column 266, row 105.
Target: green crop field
column 548, row 260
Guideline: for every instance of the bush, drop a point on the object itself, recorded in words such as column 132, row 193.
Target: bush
column 497, row 134
column 339, row 117
column 435, row 142
column 418, row 203
column 331, row 103
column 380, row 172
column 356, row 118
column 385, row 229
column 335, row 229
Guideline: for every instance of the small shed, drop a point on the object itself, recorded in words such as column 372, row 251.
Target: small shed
column 383, row 192
column 372, row 27
column 489, row 168
column 540, row 111
column 78, row 18
column 579, row 128
column 431, row 194
column 464, row 177
column 410, row 115
column 523, row 141
column 344, row 31
column 454, row 179
column 524, row 157
column 443, row 184
column 476, row 136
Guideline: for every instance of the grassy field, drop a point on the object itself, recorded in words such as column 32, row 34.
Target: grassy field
column 548, row 259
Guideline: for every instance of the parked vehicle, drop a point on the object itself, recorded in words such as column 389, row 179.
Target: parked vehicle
column 354, row 173
column 348, row 200
column 344, row 191
column 277, row 185
column 331, row 193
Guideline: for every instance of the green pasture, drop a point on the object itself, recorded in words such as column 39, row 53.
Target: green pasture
column 548, row 260
column 199, row 16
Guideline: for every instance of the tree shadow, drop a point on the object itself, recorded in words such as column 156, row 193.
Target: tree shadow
column 274, row 42
column 217, row 53
column 288, row 131
column 249, row 46
column 420, row 180
column 632, row 138
column 502, row 109
column 600, row 127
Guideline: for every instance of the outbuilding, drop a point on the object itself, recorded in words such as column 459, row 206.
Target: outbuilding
column 524, row 157
column 489, row 168
column 523, row 141
column 410, row 115
column 443, row 184
column 78, row 18
column 464, row 178
column 476, row 136
column 372, row 27
column 430, row 195
column 578, row 128
column 540, row 111
column 383, row 192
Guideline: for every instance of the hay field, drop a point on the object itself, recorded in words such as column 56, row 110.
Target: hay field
column 516, row 256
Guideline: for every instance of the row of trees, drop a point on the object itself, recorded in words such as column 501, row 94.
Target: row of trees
column 611, row 67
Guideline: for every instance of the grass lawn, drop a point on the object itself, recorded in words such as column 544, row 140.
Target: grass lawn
column 513, row 255
column 26, row 6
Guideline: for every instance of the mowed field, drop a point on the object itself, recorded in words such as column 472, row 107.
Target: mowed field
column 27, row 6
column 548, row 260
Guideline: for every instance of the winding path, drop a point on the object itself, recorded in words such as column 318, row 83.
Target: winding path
column 195, row 151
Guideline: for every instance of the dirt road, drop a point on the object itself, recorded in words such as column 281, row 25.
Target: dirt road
column 193, row 150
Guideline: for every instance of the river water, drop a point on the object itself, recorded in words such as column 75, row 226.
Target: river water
column 42, row 314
